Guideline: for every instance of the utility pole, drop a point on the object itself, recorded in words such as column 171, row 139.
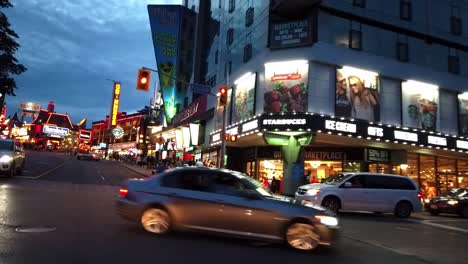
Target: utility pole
column 225, row 114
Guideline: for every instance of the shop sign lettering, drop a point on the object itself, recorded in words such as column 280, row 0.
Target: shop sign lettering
column 462, row 144
column 437, row 140
column 402, row 135
column 324, row 155
column 58, row 131
column 301, row 121
column 216, row 137
column 277, row 154
column 378, row 155
column 375, row 131
column 233, row 131
column 340, row 126
column 250, row 126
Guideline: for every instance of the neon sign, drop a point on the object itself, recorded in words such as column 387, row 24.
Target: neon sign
column 115, row 104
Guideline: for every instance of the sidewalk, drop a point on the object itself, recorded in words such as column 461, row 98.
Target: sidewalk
column 139, row 170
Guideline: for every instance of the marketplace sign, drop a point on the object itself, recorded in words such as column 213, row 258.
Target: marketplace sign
column 165, row 22
column 115, row 104
column 56, row 131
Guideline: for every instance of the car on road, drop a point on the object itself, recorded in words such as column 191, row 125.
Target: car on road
column 89, row 156
column 223, row 202
column 381, row 193
column 12, row 157
column 453, row 202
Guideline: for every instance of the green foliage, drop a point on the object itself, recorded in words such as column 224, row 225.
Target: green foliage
column 8, row 47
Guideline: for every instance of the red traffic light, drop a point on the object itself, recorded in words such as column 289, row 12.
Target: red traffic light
column 223, row 91
column 143, row 80
column 233, row 138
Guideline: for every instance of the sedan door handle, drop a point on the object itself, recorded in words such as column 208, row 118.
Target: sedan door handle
column 173, row 194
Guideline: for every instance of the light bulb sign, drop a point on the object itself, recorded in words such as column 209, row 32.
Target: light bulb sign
column 55, row 131
column 115, row 104
column 118, row 132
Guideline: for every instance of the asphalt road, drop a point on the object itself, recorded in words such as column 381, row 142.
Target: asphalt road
column 77, row 203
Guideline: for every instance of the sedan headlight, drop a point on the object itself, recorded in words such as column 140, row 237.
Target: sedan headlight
column 327, row 220
column 452, row 202
column 427, row 200
column 313, row 192
column 6, row 158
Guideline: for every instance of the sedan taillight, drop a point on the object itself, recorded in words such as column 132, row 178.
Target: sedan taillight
column 123, row 192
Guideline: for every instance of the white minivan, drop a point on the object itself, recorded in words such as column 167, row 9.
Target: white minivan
column 362, row 191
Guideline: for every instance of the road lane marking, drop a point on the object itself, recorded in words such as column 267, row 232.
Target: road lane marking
column 45, row 173
column 429, row 222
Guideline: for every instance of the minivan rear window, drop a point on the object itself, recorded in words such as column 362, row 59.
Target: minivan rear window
column 388, row 182
column 335, row 178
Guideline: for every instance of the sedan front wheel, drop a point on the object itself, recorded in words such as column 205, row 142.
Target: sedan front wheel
column 302, row 236
column 156, row 221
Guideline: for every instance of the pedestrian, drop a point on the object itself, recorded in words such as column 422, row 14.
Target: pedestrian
column 199, row 163
column 275, row 185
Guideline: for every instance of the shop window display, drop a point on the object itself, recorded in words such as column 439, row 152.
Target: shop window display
column 379, row 168
column 411, row 169
column 462, row 178
column 267, row 171
column 316, row 171
column 446, row 174
column 352, row 166
column 429, row 184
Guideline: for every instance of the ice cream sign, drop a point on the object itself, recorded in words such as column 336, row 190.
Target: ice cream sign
column 56, row 131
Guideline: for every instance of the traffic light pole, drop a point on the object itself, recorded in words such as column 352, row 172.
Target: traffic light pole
column 223, row 138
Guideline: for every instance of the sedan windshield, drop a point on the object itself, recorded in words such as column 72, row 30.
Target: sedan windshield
column 6, row 145
column 257, row 185
column 334, row 179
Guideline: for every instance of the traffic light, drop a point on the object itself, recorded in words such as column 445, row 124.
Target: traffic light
column 223, row 91
column 229, row 137
column 143, row 81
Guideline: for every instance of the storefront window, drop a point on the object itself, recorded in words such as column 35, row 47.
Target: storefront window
column 315, row 171
column 446, row 174
column 352, row 166
column 267, row 169
column 379, row 168
column 428, row 176
column 250, row 169
column 412, row 169
column 462, row 178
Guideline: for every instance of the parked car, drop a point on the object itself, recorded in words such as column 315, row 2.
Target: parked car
column 364, row 192
column 453, row 202
column 223, row 202
column 89, row 156
column 12, row 157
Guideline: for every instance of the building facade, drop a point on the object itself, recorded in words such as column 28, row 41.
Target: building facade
column 322, row 87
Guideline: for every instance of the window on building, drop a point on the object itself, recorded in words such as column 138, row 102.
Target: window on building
column 211, row 81
column 454, row 64
column 227, row 68
column 456, row 25
column 230, row 36
column 402, row 51
column 249, row 17
column 359, row 3
column 219, row 3
column 232, row 6
column 247, row 52
column 216, row 57
column 406, row 9
column 355, row 39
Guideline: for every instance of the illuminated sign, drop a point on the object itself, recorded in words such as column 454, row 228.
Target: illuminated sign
column 233, row 131
column 118, row 132
column 284, row 121
column 375, row 131
column 402, row 135
column 85, row 134
column 57, row 131
column 340, row 126
column 250, row 126
column 441, row 141
column 377, row 155
column 29, row 106
column 462, row 144
column 216, row 137
column 115, row 104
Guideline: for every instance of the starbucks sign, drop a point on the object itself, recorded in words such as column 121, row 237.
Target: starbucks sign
column 118, row 132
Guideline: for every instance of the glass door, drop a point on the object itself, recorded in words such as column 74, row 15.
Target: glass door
column 250, row 169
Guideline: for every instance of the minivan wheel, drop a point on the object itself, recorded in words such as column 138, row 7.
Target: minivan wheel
column 302, row 236
column 331, row 203
column 156, row 221
column 403, row 210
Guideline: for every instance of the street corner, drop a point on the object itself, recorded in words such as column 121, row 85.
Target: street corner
column 142, row 171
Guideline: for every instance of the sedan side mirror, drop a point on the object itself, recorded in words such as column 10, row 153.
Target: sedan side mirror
column 347, row 185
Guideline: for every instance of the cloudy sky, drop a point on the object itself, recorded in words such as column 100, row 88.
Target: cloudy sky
column 70, row 47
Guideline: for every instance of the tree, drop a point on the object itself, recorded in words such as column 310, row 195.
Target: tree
column 9, row 65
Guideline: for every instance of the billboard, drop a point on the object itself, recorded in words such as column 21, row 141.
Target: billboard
column 420, row 105
column 463, row 110
column 30, row 109
column 244, row 97
column 286, row 86
column 165, row 23
column 115, row 104
column 357, row 94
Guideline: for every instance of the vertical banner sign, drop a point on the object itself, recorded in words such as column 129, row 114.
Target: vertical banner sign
column 286, row 86
column 463, row 105
column 165, row 23
column 357, row 94
column 420, row 102
column 244, row 98
column 115, row 104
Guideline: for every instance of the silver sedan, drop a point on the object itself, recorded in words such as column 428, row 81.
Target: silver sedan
column 223, row 202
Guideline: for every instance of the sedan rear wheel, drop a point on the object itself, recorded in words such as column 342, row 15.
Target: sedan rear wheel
column 156, row 221
column 302, row 236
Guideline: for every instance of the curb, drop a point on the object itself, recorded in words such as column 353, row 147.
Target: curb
column 133, row 170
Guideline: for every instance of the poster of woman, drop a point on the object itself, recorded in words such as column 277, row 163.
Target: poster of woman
column 420, row 103
column 463, row 104
column 357, row 94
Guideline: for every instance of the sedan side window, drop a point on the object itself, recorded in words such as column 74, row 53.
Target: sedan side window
column 227, row 184
column 186, row 180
